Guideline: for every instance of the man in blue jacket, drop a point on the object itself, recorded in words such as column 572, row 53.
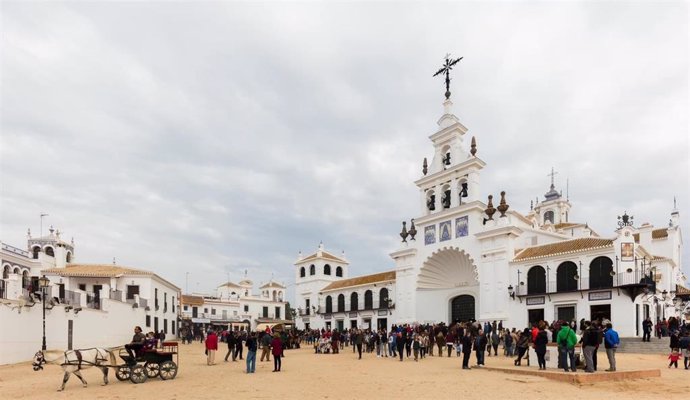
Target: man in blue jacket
column 611, row 342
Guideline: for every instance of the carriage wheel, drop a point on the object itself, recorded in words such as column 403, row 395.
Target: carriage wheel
column 122, row 373
column 138, row 374
column 168, row 370
column 152, row 369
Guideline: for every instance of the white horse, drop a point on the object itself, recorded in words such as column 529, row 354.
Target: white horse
column 73, row 361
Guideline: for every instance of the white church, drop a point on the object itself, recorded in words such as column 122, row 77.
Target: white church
column 470, row 256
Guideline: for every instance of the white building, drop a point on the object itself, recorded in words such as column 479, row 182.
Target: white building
column 234, row 306
column 471, row 260
column 87, row 304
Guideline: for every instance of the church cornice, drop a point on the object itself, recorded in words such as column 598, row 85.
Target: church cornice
column 499, row 231
column 455, row 169
column 447, row 133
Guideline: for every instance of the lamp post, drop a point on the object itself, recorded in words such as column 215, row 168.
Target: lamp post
column 43, row 282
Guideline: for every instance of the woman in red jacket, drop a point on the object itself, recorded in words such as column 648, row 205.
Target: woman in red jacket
column 211, row 347
column 277, row 351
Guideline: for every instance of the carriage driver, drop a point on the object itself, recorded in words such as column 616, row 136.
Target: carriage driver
column 136, row 344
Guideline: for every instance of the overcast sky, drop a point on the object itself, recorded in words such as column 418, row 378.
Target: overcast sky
column 214, row 138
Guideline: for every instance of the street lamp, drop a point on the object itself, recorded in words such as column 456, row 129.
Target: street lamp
column 43, row 283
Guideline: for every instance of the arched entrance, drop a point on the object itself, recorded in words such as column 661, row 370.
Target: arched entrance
column 462, row 308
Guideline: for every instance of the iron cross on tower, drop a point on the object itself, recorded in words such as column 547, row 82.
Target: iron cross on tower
column 552, row 175
column 447, row 66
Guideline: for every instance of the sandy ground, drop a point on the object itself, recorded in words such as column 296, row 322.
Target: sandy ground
column 342, row 376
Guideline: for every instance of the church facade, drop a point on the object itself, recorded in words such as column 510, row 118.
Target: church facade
column 466, row 258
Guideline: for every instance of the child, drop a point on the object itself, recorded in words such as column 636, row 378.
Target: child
column 458, row 347
column 415, row 346
column 674, row 356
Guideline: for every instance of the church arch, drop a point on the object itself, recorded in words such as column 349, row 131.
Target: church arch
column 329, row 304
column 302, row 272
column 341, row 303
column 601, row 273
column 448, row 268
column 445, row 196
column 463, row 308
column 6, row 272
column 35, row 250
column 49, row 251
column 383, row 298
column 68, row 257
column 549, row 216
column 430, row 200
column 312, row 269
column 566, row 277
column 368, row 300
column 354, row 301
column 327, row 269
column 536, row 280
column 339, row 271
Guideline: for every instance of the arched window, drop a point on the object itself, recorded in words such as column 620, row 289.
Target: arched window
column 275, row 295
column 565, row 277
column 430, row 200
column 368, row 300
column 35, row 251
column 600, row 273
column 341, row 303
column 445, row 195
column 17, row 270
column 302, row 272
column 49, row 251
column 26, row 282
column 548, row 216
column 326, row 269
column 536, row 280
column 383, row 298
column 354, row 300
column 339, row 271
column 68, row 258
column 312, row 270
column 329, row 304
column 280, row 295
column 6, row 272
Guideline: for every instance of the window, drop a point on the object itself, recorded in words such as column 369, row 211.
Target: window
column 277, row 312
column 383, row 298
column 205, row 310
column 49, row 251
column 148, row 321
column 186, row 308
column 264, row 312
column 312, row 269
column 156, row 298
column 329, row 304
column 548, row 216
column 165, row 302
column 326, row 269
column 68, row 257
column 172, row 326
column 82, row 286
column 36, row 250
column 368, row 300
column 339, row 272
column 341, row 303
column 213, row 311
column 566, row 275
column 165, row 326
column 173, row 303
column 308, row 312
column 353, row 302
column 246, row 308
column 302, row 272
column 601, row 273
column 536, row 280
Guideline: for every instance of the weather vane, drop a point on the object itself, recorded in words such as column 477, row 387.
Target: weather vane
column 447, row 66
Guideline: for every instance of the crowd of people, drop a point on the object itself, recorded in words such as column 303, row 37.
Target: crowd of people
column 419, row 341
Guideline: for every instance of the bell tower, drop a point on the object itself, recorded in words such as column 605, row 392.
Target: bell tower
column 554, row 209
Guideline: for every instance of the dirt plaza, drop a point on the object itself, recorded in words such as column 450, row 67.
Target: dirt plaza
column 341, row 376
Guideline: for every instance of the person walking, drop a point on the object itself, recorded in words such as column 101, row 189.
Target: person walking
column 611, row 342
column 230, row 339
column 358, row 342
column 251, row 353
column 277, row 346
column 449, row 342
column 211, row 347
column 238, row 346
column 540, row 345
column 466, row 349
column 400, row 344
column 522, row 346
column 265, row 347
column 589, row 343
column 647, row 329
column 566, row 340
column 480, row 347
column 495, row 339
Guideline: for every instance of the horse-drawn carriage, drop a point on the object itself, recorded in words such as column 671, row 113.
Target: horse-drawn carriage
column 146, row 364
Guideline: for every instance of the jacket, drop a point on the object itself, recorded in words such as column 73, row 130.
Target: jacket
column 611, row 339
column 480, row 343
column 566, row 336
column 540, row 342
column 212, row 341
column 467, row 344
column 590, row 337
column 277, row 347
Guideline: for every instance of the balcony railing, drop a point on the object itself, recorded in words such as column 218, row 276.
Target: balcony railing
column 620, row 280
column 72, row 298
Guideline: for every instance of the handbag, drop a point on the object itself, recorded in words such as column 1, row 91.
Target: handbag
column 206, row 351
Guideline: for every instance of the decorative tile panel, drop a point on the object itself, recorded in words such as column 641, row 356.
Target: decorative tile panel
column 446, row 231
column 461, row 227
column 430, row 234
